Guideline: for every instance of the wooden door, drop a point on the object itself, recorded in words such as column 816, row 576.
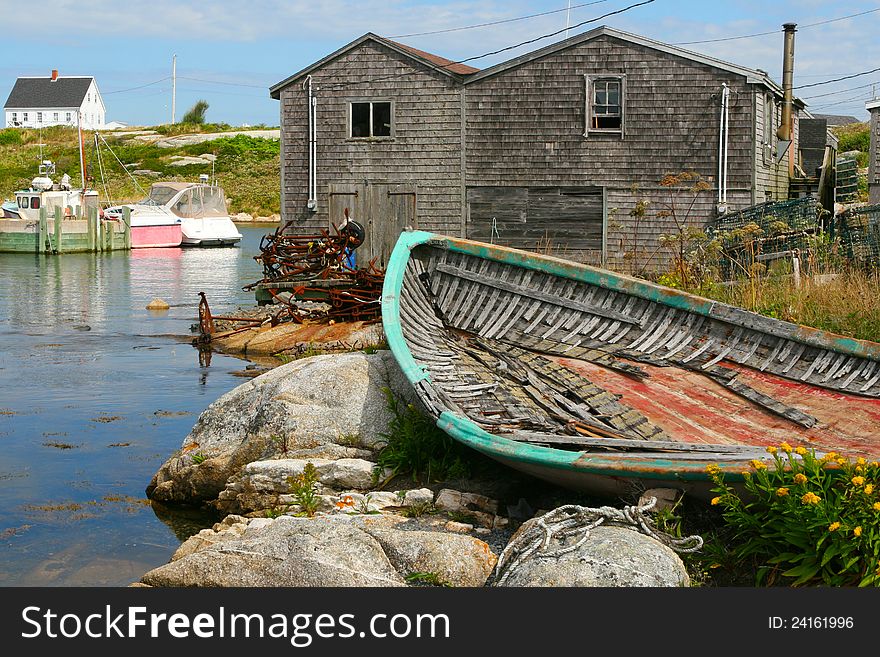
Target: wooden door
column 384, row 210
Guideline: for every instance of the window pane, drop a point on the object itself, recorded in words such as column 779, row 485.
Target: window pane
column 381, row 119
column 35, row 203
column 601, row 96
column 360, row 119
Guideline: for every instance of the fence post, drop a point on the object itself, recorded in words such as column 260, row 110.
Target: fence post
column 43, row 245
column 59, row 214
column 126, row 221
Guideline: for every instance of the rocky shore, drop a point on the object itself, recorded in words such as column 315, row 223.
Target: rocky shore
column 290, row 459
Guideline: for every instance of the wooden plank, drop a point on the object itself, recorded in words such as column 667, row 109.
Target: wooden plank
column 535, row 294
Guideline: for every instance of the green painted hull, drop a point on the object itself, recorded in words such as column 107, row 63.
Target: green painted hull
column 600, row 470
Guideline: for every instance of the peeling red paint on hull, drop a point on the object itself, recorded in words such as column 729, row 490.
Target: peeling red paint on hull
column 693, row 408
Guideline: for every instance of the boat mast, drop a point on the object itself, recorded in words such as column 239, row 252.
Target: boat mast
column 82, row 150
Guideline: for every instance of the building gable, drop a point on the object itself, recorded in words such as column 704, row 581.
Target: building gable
column 418, row 57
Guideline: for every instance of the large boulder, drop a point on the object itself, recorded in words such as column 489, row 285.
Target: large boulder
column 334, row 550
column 309, row 406
column 612, row 556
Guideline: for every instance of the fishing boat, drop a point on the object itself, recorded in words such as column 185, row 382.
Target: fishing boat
column 608, row 384
column 44, row 192
column 197, row 211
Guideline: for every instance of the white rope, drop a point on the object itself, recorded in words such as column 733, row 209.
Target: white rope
column 577, row 521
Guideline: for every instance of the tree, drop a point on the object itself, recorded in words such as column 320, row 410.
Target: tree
column 196, row 113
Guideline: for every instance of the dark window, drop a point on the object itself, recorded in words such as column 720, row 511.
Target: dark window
column 607, row 105
column 35, row 203
column 371, row 119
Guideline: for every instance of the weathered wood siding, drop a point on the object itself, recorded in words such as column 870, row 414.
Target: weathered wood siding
column 525, row 127
column 560, row 220
column 771, row 177
column 424, row 152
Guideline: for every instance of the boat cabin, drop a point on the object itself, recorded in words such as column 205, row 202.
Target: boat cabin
column 190, row 200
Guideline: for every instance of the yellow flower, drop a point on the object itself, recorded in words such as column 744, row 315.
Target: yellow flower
column 859, row 469
column 800, row 478
column 801, row 450
column 758, row 465
column 771, row 449
column 861, row 460
column 857, row 481
column 781, row 492
column 841, row 461
column 715, row 500
column 785, row 447
column 746, row 474
column 857, row 530
column 876, row 506
column 712, row 469
column 811, row 498
column 869, row 489
column 834, row 526
column 830, row 456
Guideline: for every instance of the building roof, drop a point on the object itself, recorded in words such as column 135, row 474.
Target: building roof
column 448, row 64
column 837, row 119
column 755, row 76
column 468, row 74
column 435, row 62
column 43, row 92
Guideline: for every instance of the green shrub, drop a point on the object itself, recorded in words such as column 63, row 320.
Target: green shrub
column 196, row 113
column 812, row 520
column 415, row 445
column 10, row 137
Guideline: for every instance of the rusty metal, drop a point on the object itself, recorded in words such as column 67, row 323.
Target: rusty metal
column 206, row 321
column 297, row 263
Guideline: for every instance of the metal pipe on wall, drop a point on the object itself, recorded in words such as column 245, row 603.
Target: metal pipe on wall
column 785, row 129
column 313, row 159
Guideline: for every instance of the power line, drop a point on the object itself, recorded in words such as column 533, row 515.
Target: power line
column 845, row 77
column 340, row 85
column 841, row 91
column 231, row 84
column 499, row 22
column 148, row 84
column 760, row 34
column 552, row 34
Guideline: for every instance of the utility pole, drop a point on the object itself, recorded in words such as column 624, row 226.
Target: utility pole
column 173, row 85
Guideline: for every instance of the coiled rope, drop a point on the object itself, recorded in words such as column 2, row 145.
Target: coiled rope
column 572, row 520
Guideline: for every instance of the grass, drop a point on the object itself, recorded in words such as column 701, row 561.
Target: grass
column 248, row 168
column 426, row 579
column 847, row 305
column 414, row 445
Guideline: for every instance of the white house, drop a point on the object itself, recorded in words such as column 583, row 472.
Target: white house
column 55, row 100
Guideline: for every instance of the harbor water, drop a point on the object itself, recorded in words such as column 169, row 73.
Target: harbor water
column 97, row 392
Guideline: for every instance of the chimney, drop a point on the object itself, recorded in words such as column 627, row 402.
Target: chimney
column 785, row 130
column 54, row 74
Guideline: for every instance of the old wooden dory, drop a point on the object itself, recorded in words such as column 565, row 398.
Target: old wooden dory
column 605, row 383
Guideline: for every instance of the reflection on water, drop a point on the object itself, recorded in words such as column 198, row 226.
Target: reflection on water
column 97, row 392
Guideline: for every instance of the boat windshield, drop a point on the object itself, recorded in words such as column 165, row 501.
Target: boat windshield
column 160, row 194
column 201, row 201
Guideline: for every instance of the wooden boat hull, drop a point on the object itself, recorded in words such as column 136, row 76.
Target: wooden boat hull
column 606, row 383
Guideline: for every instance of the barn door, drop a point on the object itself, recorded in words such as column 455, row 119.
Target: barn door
column 383, row 209
column 392, row 209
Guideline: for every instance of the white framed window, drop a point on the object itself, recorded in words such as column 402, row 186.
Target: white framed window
column 24, row 117
column 67, row 116
column 39, row 117
column 55, row 116
column 606, row 104
column 370, row 119
column 14, row 118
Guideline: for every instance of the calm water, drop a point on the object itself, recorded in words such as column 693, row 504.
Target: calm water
column 95, row 393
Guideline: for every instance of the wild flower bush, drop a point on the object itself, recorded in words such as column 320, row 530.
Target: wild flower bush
column 813, row 519
column 304, row 488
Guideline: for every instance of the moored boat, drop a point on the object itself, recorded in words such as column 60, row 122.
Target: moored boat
column 199, row 209
column 151, row 226
column 608, row 384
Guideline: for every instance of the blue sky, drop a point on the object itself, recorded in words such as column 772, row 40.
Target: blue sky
column 229, row 52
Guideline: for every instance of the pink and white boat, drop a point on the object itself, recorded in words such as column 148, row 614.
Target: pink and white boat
column 152, row 226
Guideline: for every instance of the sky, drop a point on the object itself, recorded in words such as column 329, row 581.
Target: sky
column 229, row 52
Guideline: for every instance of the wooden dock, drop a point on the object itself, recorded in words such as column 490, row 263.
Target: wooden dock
column 79, row 233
